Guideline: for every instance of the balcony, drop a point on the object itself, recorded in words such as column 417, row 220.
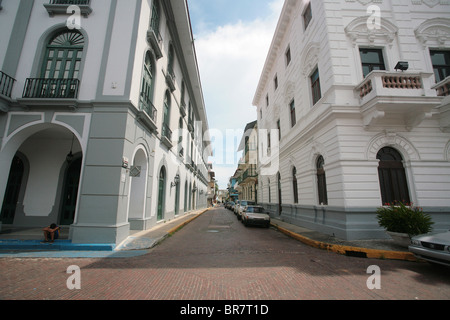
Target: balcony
column 166, row 136
column 52, row 93
column 61, row 6
column 443, row 88
column 51, row 88
column 147, row 113
column 249, row 174
column 155, row 40
column 6, row 84
column 183, row 109
column 170, row 79
column 393, row 99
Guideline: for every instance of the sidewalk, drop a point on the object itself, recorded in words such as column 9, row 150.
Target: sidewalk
column 376, row 249
column 20, row 243
column 140, row 243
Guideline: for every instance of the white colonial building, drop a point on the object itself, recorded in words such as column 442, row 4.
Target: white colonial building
column 359, row 91
column 92, row 98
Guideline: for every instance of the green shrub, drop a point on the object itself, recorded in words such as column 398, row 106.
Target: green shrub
column 403, row 218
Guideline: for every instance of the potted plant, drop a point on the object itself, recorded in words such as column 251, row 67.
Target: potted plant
column 403, row 221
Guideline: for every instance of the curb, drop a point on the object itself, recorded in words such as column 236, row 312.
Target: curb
column 177, row 228
column 348, row 250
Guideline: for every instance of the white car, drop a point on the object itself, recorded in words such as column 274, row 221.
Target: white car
column 434, row 248
column 255, row 215
column 241, row 206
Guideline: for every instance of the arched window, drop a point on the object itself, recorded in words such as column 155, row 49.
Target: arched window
column 322, row 181
column 393, row 182
column 148, row 86
column 171, row 60
column 156, row 16
column 294, row 184
column 161, row 193
column 63, row 56
column 166, row 119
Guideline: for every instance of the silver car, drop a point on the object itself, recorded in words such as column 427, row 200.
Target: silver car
column 434, row 248
column 255, row 215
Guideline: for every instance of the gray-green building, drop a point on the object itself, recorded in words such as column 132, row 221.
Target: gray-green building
column 103, row 125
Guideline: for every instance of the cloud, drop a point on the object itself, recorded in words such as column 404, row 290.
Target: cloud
column 231, row 58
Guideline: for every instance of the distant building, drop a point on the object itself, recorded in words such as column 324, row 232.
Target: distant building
column 358, row 92
column 248, row 176
column 102, row 116
column 211, row 192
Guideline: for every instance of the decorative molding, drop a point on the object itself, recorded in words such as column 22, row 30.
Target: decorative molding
column 359, row 33
column 391, row 139
column 365, row 2
column 434, row 32
column 430, row 3
column 310, row 58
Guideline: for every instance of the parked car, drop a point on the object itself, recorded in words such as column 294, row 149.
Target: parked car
column 230, row 205
column 255, row 215
column 235, row 206
column 434, row 248
column 241, row 206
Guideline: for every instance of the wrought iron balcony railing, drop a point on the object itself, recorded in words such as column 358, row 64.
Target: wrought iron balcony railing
column 166, row 132
column 70, row 2
column 147, row 106
column 6, row 84
column 38, row 88
column 60, row 6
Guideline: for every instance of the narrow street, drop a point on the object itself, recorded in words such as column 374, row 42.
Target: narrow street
column 217, row 258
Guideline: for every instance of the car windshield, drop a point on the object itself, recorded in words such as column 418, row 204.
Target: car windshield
column 255, row 209
column 246, row 203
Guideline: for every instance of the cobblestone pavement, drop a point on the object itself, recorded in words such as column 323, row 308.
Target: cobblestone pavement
column 216, row 258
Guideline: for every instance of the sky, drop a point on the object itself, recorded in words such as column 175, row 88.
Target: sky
column 232, row 40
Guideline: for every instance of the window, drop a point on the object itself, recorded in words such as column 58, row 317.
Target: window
column 279, row 129
column 161, row 193
column 275, row 82
column 295, row 184
column 322, row 182
column 372, row 59
column 307, row 16
column 292, row 112
column 155, row 21
column 267, row 100
column 393, row 183
column 166, row 119
column 315, row 86
column 288, row 56
column 148, row 85
column 441, row 64
column 63, row 56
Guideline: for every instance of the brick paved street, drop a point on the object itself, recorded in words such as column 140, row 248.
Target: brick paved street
column 217, row 258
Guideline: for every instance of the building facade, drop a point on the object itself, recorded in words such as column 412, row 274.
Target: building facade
column 102, row 117
column 247, row 176
column 353, row 113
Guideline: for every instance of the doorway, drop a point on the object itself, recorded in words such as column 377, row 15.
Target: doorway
column 70, row 192
column 12, row 191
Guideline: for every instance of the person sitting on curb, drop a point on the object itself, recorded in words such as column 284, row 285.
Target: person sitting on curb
column 51, row 232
